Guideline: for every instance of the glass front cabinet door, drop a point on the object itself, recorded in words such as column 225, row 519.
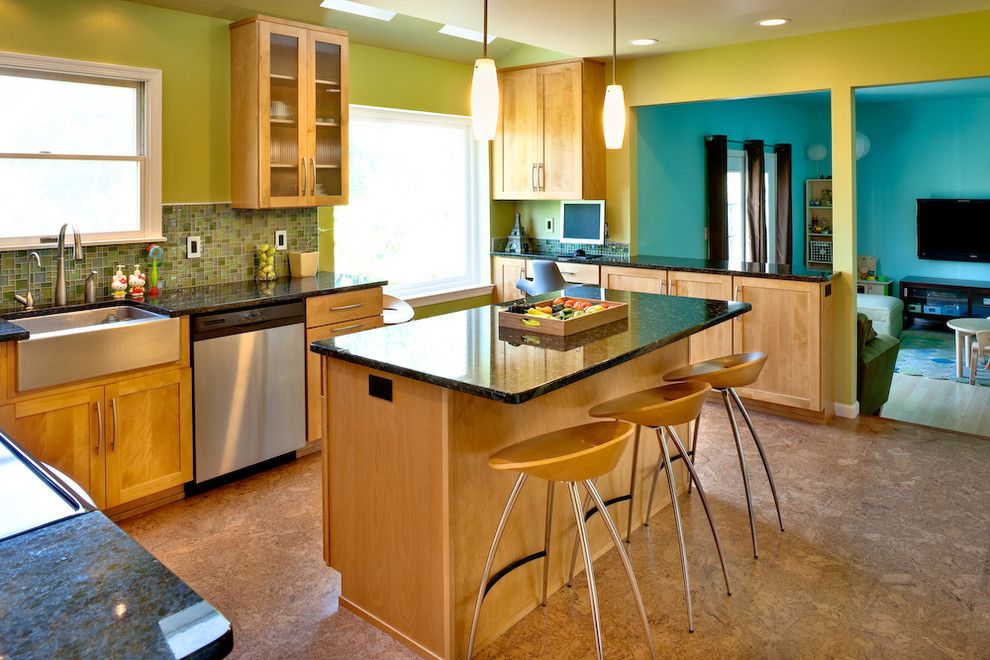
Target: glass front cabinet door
column 288, row 114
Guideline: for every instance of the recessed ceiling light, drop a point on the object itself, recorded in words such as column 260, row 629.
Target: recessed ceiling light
column 360, row 9
column 644, row 42
column 464, row 33
column 773, row 22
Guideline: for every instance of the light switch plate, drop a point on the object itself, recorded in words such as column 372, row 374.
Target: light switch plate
column 281, row 240
column 194, row 247
column 549, row 222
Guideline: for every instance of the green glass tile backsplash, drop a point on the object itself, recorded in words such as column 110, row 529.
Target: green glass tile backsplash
column 229, row 240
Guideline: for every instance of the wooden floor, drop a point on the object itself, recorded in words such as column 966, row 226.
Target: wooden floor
column 942, row 404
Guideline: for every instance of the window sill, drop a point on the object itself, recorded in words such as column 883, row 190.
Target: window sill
column 449, row 295
column 68, row 243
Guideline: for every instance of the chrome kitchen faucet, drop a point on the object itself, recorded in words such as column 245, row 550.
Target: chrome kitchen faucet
column 28, row 298
column 77, row 253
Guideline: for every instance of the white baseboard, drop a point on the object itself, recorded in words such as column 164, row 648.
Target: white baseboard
column 848, row 411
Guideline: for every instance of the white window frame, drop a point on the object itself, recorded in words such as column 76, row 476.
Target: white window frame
column 150, row 159
column 478, row 278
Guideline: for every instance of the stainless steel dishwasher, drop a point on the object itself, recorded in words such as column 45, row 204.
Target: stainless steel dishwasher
column 249, row 387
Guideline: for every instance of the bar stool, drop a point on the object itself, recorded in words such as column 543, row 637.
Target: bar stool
column 725, row 374
column 577, row 454
column 662, row 408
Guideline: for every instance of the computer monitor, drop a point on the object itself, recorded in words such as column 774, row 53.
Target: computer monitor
column 582, row 222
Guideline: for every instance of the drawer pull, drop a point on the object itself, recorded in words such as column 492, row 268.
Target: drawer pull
column 344, row 307
column 349, row 327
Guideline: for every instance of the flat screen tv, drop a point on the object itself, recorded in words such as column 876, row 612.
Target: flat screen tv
column 954, row 229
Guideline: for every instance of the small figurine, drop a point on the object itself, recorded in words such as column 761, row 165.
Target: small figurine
column 156, row 253
column 119, row 282
column 136, row 282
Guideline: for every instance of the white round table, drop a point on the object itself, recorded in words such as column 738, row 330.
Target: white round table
column 965, row 330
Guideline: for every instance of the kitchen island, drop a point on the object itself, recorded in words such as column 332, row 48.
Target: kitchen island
column 413, row 411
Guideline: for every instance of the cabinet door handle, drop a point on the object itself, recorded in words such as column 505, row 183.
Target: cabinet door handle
column 113, row 438
column 540, row 177
column 672, row 288
column 343, row 307
column 99, row 437
column 305, row 178
column 312, row 164
column 735, row 294
column 349, row 327
column 532, row 177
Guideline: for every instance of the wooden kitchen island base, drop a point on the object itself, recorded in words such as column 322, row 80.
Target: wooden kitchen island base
column 413, row 505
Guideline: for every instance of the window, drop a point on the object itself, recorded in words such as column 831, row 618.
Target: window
column 80, row 142
column 418, row 210
column 737, row 208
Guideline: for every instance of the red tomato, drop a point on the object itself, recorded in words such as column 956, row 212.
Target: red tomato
column 569, row 303
column 559, row 301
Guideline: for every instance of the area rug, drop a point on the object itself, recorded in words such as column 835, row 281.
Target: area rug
column 932, row 354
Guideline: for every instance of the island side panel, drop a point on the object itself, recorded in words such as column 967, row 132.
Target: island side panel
column 478, row 427
column 386, row 497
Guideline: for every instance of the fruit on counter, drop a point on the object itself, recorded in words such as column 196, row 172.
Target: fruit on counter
column 266, row 263
column 560, row 308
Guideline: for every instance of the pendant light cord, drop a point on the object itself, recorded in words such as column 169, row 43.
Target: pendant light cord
column 613, row 39
column 484, row 38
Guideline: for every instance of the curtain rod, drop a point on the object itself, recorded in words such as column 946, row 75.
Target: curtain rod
column 743, row 142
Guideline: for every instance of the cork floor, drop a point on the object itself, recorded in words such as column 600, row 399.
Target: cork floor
column 886, row 554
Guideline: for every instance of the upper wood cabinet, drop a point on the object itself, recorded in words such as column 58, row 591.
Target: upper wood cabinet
column 289, row 93
column 549, row 143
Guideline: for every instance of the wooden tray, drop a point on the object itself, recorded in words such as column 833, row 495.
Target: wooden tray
column 517, row 337
column 535, row 324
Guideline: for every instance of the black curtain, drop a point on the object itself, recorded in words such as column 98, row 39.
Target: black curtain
column 756, row 194
column 716, row 174
column 785, row 248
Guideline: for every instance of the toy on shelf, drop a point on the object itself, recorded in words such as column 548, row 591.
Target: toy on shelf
column 136, row 282
column 157, row 254
column 118, row 284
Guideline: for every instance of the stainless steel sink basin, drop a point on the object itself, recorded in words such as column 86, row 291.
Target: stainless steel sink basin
column 74, row 346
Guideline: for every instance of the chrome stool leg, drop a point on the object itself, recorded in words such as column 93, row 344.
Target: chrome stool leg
column 704, row 501
column 763, row 456
column 745, row 471
column 577, row 545
column 546, row 540
column 626, row 563
column 677, row 523
column 491, row 558
column 586, row 551
column 632, row 481
column 694, row 445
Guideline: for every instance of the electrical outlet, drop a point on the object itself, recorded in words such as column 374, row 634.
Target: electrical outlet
column 281, row 240
column 549, row 222
column 194, row 247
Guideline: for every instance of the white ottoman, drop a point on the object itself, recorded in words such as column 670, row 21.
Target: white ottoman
column 886, row 312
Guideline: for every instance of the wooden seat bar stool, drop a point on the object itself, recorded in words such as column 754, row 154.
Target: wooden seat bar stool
column 574, row 455
column 661, row 409
column 725, row 374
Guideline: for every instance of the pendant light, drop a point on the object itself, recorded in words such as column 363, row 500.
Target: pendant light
column 484, row 92
column 614, row 119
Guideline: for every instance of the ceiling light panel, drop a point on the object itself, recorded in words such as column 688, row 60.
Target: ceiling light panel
column 358, row 8
column 464, row 33
column 773, row 22
column 644, row 42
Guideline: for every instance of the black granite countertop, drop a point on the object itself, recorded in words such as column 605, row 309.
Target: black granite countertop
column 82, row 588
column 794, row 272
column 468, row 352
column 205, row 299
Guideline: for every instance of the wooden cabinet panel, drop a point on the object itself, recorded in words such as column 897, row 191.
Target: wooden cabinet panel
column 518, row 147
column 63, row 431
column 506, row 271
column 641, row 280
column 579, row 273
column 786, row 324
column 149, row 432
column 714, row 342
column 559, row 174
column 315, row 396
column 340, row 307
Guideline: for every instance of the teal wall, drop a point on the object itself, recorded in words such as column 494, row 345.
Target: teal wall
column 919, row 148
column 671, row 162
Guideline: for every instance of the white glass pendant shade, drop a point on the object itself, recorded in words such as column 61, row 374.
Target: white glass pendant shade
column 484, row 99
column 614, row 119
column 862, row 145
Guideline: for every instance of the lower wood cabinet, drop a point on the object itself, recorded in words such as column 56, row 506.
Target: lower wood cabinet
column 506, row 271
column 792, row 323
column 120, row 442
column 714, row 342
column 641, row 280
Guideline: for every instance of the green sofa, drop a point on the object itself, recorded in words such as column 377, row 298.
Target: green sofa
column 876, row 356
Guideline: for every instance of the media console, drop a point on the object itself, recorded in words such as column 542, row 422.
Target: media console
column 940, row 299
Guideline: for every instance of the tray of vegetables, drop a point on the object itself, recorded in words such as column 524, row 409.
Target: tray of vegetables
column 561, row 316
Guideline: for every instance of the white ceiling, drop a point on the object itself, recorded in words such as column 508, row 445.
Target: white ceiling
column 582, row 27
